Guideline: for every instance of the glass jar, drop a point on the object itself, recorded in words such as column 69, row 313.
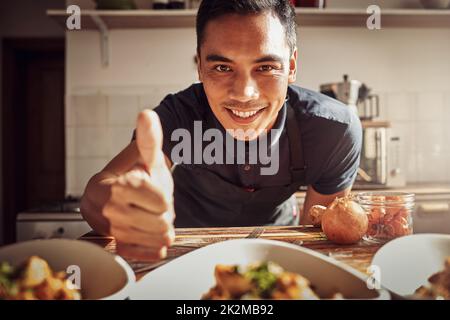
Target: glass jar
column 389, row 213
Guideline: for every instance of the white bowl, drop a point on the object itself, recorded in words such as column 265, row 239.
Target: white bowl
column 407, row 262
column 191, row 275
column 102, row 274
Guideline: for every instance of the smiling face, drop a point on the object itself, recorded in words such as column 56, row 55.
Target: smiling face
column 245, row 65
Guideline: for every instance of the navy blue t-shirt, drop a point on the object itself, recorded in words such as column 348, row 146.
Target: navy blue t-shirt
column 331, row 136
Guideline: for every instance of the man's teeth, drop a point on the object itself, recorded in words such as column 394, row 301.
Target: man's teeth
column 243, row 114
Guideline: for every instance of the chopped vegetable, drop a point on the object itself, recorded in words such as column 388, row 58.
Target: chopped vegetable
column 261, row 280
column 34, row 280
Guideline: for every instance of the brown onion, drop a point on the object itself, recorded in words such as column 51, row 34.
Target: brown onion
column 315, row 214
column 344, row 221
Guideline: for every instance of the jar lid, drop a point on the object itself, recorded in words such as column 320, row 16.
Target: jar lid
column 387, row 198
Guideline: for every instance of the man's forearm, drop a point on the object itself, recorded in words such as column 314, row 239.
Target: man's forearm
column 98, row 191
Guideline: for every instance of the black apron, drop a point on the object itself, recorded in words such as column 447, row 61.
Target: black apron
column 203, row 199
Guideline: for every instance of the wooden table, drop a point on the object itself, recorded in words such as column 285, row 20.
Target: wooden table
column 358, row 256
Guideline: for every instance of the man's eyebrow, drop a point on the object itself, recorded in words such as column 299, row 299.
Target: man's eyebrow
column 270, row 58
column 217, row 58
column 266, row 58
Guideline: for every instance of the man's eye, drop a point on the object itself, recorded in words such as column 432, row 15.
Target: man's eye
column 222, row 68
column 266, row 68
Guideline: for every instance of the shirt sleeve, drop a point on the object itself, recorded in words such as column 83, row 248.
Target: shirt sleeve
column 340, row 170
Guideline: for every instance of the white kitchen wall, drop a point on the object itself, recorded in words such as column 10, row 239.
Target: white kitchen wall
column 409, row 68
column 100, row 124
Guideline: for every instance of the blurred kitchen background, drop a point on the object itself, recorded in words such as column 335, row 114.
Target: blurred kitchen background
column 70, row 98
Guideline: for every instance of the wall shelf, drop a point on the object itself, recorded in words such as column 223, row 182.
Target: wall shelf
column 306, row 17
column 105, row 20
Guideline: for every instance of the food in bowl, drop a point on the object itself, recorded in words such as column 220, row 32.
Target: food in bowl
column 439, row 285
column 35, row 280
column 260, row 280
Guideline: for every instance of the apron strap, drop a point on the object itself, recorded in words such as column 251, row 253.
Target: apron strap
column 298, row 165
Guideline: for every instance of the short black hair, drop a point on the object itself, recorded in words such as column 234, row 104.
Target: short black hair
column 213, row 9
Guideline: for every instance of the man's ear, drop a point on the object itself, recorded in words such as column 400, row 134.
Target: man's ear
column 199, row 71
column 293, row 67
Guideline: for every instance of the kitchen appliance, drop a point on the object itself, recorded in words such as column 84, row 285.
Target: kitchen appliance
column 381, row 158
column 381, row 163
column 356, row 95
column 57, row 220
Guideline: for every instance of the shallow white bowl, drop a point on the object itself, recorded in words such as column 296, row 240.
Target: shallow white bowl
column 406, row 263
column 192, row 275
column 103, row 275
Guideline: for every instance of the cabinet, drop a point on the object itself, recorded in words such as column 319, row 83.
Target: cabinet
column 432, row 214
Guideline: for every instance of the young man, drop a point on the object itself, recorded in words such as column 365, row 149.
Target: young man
column 246, row 54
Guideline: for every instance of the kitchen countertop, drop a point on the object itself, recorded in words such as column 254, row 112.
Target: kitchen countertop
column 357, row 256
column 421, row 188
column 417, row 188
column 73, row 205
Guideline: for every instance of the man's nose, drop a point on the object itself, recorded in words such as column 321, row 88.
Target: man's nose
column 244, row 89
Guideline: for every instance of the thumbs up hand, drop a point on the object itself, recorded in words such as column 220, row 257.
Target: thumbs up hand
column 149, row 138
column 140, row 207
